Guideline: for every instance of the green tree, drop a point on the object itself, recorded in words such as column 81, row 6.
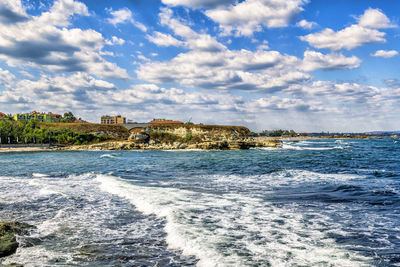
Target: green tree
column 68, row 117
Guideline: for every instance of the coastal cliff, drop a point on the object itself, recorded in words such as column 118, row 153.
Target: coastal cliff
column 187, row 136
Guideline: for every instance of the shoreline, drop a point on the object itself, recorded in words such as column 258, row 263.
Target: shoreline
column 24, row 149
column 103, row 145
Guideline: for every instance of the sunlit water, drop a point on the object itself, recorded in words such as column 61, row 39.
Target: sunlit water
column 311, row 203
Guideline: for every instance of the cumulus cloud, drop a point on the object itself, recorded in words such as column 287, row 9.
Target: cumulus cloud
column 342, row 92
column 242, row 70
column 44, row 41
column 60, row 13
column 46, row 92
column 197, row 3
column 284, row 103
column 392, row 83
column 115, row 41
column 211, row 65
column 356, row 35
column 250, row 16
column 385, row 53
column 306, row 24
column 11, row 11
column 348, row 38
column 315, row 60
column 375, row 19
column 162, row 39
column 193, row 40
column 124, row 15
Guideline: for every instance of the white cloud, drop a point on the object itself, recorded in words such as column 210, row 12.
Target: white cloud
column 306, row 24
column 315, row 60
column 115, row 41
column 197, row 3
column 120, row 16
column 342, row 92
column 60, row 13
column 263, row 46
column 211, row 65
column 348, row 38
column 12, row 11
column 124, row 15
column 284, row 103
column 250, row 16
column 193, row 40
column 44, row 41
column 162, row 39
column 45, row 93
column 353, row 36
column 385, row 53
column 243, row 70
column 6, row 78
column 375, row 19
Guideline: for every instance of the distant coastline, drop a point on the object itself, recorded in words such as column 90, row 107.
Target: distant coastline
column 273, row 142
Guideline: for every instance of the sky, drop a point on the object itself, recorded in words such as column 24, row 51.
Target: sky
column 307, row 65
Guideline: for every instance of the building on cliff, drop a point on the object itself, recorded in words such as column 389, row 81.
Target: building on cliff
column 118, row 119
column 43, row 117
column 163, row 121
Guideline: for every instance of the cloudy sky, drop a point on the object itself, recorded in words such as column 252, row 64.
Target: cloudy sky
column 307, row 65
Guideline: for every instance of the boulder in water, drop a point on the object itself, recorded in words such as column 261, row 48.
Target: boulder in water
column 8, row 241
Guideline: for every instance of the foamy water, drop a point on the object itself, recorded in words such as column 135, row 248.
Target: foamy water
column 235, row 230
column 314, row 203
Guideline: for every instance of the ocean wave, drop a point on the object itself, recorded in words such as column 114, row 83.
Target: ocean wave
column 112, row 155
column 218, row 228
column 291, row 147
column 286, row 146
column 40, row 175
column 79, row 225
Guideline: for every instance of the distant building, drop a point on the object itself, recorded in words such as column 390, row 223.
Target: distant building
column 113, row 119
column 164, row 121
column 43, row 117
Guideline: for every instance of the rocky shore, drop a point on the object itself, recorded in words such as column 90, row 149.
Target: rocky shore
column 192, row 136
column 210, row 145
column 8, row 240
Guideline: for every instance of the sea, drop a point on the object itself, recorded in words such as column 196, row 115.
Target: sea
column 309, row 203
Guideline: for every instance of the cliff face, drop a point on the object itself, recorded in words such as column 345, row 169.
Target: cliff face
column 204, row 133
column 185, row 137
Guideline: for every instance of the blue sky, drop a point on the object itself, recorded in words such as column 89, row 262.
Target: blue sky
column 266, row 64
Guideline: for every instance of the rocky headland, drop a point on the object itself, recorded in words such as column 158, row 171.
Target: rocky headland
column 186, row 136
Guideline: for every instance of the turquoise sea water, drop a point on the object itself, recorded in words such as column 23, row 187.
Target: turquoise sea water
column 311, row 203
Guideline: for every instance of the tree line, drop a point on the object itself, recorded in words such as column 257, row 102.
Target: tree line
column 276, row 133
column 32, row 132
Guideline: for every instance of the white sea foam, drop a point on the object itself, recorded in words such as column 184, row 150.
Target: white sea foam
column 71, row 210
column 112, row 155
column 287, row 146
column 294, row 147
column 39, row 175
column 220, row 229
column 238, row 230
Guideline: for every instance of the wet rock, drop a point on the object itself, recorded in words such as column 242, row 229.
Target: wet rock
column 8, row 232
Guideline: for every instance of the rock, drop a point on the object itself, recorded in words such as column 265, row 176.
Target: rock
column 8, row 241
column 141, row 137
column 8, row 245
